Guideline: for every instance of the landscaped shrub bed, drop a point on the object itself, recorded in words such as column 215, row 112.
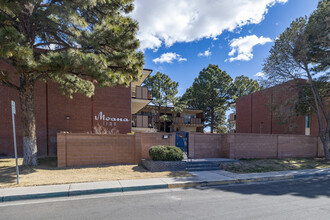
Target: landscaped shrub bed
column 165, row 153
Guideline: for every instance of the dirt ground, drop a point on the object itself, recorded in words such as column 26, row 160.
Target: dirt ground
column 268, row 165
column 47, row 173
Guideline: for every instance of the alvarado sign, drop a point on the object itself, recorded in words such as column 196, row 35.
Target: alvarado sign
column 103, row 117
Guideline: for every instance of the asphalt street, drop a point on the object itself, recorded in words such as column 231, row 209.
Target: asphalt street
column 299, row 199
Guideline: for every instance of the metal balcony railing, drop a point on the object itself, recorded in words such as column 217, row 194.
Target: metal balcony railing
column 142, row 121
column 178, row 120
column 141, row 93
column 181, row 120
column 196, row 121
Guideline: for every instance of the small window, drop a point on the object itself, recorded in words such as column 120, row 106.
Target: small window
column 307, row 121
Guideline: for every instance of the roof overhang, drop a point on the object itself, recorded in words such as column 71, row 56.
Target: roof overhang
column 138, row 104
column 145, row 74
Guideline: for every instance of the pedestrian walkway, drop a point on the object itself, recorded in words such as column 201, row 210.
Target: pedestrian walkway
column 200, row 178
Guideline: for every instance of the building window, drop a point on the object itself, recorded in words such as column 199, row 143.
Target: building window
column 307, row 121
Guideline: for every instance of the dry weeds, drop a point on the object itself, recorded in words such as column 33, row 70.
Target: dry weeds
column 47, row 173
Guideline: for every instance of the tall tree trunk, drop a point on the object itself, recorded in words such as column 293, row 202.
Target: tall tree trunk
column 26, row 95
column 324, row 135
column 325, row 143
column 325, row 139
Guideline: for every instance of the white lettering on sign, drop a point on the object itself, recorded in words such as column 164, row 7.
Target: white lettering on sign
column 102, row 117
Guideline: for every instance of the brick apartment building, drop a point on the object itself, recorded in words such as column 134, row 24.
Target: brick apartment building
column 111, row 108
column 255, row 113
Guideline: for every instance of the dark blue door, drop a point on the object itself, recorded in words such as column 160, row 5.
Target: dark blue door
column 181, row 140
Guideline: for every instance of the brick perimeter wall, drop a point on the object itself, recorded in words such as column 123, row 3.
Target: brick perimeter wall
column 94, row 149
column 97, row 149
column 82, row 149
column 253, row 146
column 152, row 139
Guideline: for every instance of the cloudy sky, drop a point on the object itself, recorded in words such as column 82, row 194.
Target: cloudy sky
column 181, row 37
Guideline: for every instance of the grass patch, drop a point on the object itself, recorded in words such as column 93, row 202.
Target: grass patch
column 47, row 173
column 269, row 165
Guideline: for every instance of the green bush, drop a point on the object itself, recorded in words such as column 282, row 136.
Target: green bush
column 165, row 153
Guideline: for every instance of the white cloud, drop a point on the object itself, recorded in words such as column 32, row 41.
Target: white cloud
column 243, row 46
column 206, row 53
column 169, row 58
column 259, row 74
column 182, row 59
column 170, row 21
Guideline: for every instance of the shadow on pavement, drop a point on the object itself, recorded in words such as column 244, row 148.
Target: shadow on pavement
column 309, row 188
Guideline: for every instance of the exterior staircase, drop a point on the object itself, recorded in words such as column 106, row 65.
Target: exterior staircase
column 207, row 163
column 202, row 165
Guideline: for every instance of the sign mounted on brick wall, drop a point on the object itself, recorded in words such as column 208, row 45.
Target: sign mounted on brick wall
column 110, row 120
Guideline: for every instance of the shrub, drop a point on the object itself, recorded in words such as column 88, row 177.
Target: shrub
column 165, row 153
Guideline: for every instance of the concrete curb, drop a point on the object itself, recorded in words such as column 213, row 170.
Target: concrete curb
column 34, row 196
column 70, row 193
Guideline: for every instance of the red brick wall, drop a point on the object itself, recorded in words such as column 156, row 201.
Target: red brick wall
column 152, row 139
column 314, row 124
column 255, row 113
column 59, row 106
column 206, row 145
column 253, row 146
column 93, row 149
column 243, row 114
column 297, row 146
column 6, row 129
column 114, row 103
column 51, row 111
column 261, row 114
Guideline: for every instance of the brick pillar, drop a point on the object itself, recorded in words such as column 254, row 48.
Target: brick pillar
column 172, row 139
column 61, row 150
column 191, row 145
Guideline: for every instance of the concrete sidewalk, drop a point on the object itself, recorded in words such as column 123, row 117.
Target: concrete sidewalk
column 201, row 178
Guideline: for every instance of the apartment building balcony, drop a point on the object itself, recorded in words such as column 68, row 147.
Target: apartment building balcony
column 187, row 122
column 141, row 97
column 142, row 123
column 140, row 92
column 232, row 117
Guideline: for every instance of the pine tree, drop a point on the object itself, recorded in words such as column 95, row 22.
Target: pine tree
column 74, row 43
column 302, row 52
column 163, row 91
column 210, row 92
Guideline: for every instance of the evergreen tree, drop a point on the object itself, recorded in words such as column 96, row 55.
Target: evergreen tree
column 211, row 91
column 164, row 92
column 302, row 53
column 73, row 43
column 318, row 40
column 243, row 85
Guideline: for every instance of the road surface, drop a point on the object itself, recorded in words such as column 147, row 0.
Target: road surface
column 299, row 199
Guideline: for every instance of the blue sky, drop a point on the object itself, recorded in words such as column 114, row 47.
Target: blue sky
column 173, row 33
